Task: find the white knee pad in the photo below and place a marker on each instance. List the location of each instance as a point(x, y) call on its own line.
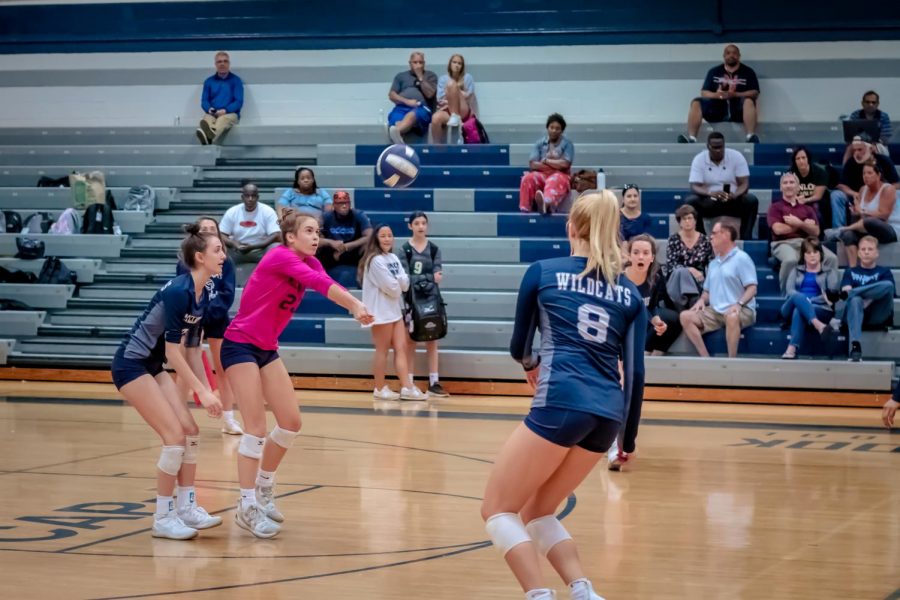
point(506, 531)
point(191, 449)
point(547, 532)
point(170, 459)
point(251, 446)
point(283, 437)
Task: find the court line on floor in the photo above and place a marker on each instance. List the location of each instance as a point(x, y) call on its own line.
point(486, 416)
point(218, 588)
point(80, 460)
point(571, 502)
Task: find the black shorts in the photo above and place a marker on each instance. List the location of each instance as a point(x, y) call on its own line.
point(125, 370)
point(567, 427)
point(235, 353)
point(716, 111)
point(215, 328)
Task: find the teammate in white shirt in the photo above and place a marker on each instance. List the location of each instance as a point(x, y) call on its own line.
point(383, 283)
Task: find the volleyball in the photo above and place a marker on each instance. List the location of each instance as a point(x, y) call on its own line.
point(398, 166)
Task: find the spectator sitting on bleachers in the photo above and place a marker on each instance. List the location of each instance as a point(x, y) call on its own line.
point(791, 223)
point(720, 180)
point(729, 93)
point(250, 228)
point(729, 291)
point(547, 184)
point(869, 292)
point(222, 99)
point(643, 271)
point(305, 196)
point(633, 221)
point(870, 112)
point(413, 94)
point(851, 182)
point(876, 212)
point(688, 253)
point(455, 98)
point(807, 291)
point(813, 180)
point(345, 232)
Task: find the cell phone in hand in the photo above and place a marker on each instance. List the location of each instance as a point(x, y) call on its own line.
point(726, 188)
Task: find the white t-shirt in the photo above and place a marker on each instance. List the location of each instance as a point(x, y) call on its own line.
point(706, 172)
point(249, 227)
point(382, 290)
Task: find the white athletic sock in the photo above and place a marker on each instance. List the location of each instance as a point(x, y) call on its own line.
point(164, 505)
point(539, 594)
point(265, 478)
point(248, 498)
point(433, 378)
point(411, 380)
point(228, 415)
point(185, 497)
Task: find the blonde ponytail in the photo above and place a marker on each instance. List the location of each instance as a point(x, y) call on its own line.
point(594, 218)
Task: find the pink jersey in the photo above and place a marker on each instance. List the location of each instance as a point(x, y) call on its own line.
point(272, 294)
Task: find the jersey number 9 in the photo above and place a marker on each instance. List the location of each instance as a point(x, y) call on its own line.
point(593, 323)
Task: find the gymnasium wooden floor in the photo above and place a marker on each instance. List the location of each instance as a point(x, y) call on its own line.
point(725, 501)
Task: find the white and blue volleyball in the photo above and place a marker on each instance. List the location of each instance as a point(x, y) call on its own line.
point(398, 166)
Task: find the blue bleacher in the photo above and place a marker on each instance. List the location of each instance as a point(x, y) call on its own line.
point(444, 155)
point(407, 200)
point(465, 177)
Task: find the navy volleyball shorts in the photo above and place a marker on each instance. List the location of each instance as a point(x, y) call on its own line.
point(215, 328)
point(567, 427)
point(234, 353)
point(125, 370)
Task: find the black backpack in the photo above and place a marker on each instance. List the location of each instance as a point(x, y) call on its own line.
point(45, 181)
point(426, 311)
point(55, 271)
point(482, 132)
point(98, 218)
point(12, 222)
point(16, 276)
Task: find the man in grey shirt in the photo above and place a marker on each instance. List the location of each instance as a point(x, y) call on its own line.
point(413, 94)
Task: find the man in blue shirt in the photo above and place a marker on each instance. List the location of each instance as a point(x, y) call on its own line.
point(869, 292)
point(728, 294)
point(222, 100)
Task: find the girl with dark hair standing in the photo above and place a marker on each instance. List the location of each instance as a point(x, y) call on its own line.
point(176, 311)
point(421, 259)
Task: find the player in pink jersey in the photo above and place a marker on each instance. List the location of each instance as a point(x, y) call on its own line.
point(256, 373)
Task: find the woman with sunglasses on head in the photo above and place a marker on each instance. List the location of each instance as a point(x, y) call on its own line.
point(634, 221)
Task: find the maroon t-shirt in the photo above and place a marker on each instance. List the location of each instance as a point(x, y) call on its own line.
point(779, 209)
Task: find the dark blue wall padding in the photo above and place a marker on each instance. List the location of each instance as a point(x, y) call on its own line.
point(318, 24)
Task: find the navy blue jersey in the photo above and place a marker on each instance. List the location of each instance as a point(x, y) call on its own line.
point(220, 288)
point(586, 325)
point(173, 313)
